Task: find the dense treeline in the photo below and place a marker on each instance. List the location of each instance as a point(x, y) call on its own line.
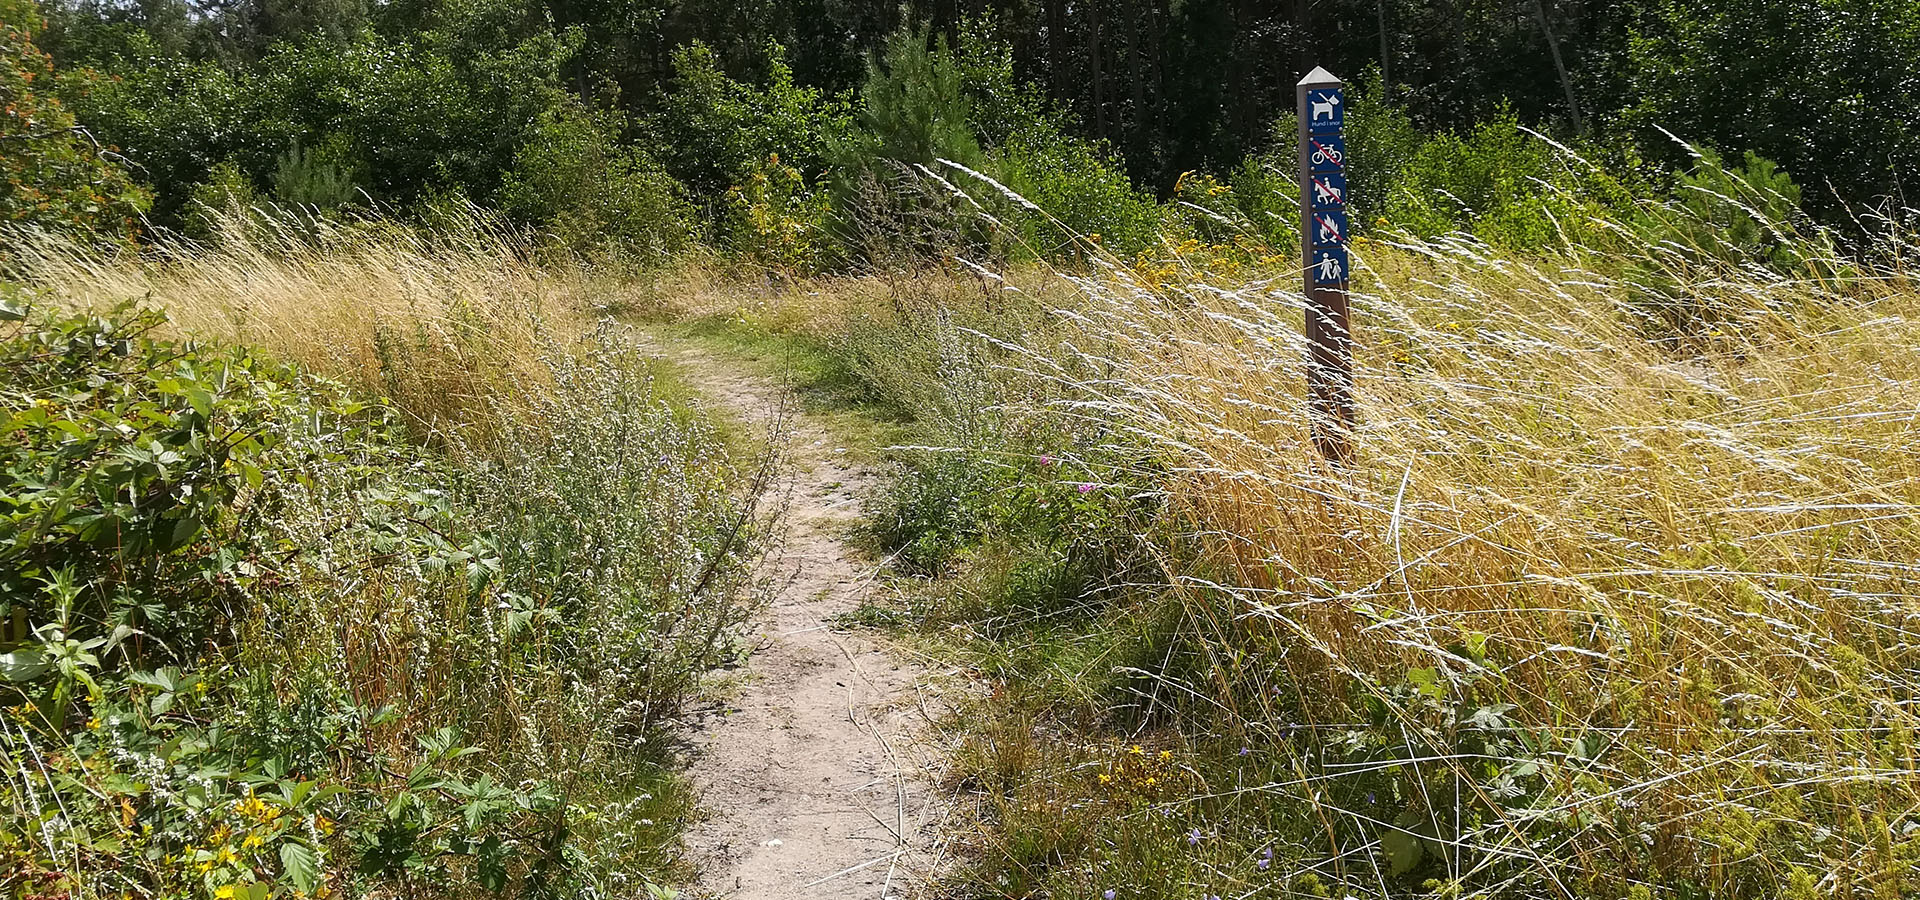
point(615, 122)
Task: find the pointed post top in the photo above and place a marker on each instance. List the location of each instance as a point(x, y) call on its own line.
point(1319, 76)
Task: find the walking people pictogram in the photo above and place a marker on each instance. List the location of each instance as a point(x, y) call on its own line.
point(1330, 265)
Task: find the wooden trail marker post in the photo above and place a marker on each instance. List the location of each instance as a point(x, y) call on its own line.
point(1321, 109)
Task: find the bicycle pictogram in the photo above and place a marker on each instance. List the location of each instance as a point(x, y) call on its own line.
point(1328, 153)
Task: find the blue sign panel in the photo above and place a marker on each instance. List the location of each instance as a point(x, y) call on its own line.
point(1329, 227)
point(1326, 110)
point(1326, 153)
point(1329, 265)
point(1328, 191)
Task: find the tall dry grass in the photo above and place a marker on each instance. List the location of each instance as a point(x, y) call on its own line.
point(442, 320)
point(1631, 612)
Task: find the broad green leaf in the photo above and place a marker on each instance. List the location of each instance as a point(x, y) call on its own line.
point(1402, 849)
point(302, 866)
point(492, 864)
point(1427, 681)
point(23, 665)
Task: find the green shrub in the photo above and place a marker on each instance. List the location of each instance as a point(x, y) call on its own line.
point(778, 217)
point(1080, 189)
point(447, 108)
point(1744, 218)
point(1496, 181)
point(1732, 214)
point(716, 133)
point(1266, 192)
point(226, 197)
point(591, 193)
point(1505, 186)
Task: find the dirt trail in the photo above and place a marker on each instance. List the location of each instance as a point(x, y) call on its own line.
point(812, 777)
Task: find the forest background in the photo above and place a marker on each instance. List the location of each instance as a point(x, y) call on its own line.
point(651, 126)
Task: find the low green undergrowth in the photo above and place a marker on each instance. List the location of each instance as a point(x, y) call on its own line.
point(261, 642)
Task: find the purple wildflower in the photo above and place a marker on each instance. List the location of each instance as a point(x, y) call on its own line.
point(1046, 459)
point(1085, 487)
point(1109, 895)
point(1193, 837)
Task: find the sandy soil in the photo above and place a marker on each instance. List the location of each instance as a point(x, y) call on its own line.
point(813, 776)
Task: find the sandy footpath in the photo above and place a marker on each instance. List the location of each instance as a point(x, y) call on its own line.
point(813, 777)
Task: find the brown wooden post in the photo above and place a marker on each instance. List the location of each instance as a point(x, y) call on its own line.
point(1321, 107)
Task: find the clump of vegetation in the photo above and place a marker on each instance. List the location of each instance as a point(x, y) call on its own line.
point(271, 635)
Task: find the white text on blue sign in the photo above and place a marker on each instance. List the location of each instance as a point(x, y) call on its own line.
point(1325, 110)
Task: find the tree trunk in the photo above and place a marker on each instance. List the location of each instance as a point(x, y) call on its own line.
point(1386, 55)
point(1158, 13)
point(1093, 64)
point(1566, 83)
point(1130, 125)
point(1058, 51)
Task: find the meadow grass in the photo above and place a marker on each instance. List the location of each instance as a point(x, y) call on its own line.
point(1615, 616)
point(1618, 599)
